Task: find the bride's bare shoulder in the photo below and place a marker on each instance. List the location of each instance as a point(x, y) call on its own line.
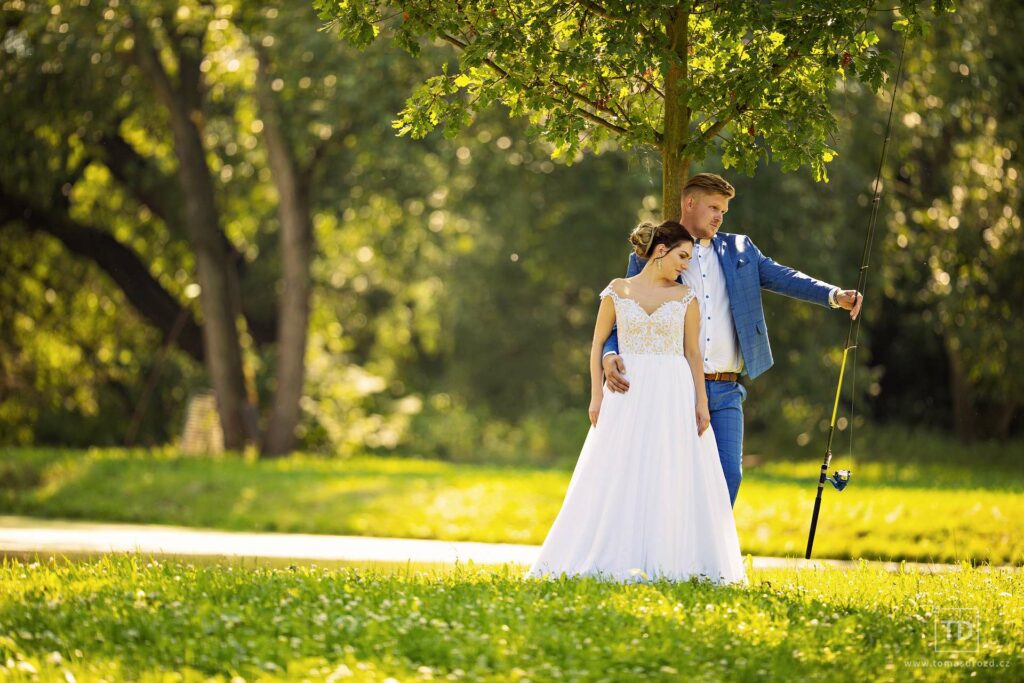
point(680, 291)
point(619, 285)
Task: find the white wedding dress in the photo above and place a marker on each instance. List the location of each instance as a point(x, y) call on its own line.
point(648, 498)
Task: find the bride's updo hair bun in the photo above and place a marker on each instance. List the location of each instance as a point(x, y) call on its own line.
point(641, 238)
point(646, 236)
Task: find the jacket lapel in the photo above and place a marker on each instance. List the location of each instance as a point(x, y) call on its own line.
point(728, 269)
point(724, 258)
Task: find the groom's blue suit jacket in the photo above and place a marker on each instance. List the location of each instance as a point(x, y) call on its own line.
point(748, 271)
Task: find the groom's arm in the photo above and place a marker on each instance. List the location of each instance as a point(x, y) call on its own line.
point(787, 281)
point(611, 345)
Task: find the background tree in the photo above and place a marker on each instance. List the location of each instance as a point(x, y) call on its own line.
point(167, 154)
point(955, 238)
point(180, 90)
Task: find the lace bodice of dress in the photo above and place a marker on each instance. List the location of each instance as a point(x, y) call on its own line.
point(660, 332)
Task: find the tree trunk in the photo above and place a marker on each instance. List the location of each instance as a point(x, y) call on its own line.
point(674, 164)
point(162, 193)
point(964, 415)
point(674, 174)
point(220, 331)
point(1004, 420)
point(296, 246)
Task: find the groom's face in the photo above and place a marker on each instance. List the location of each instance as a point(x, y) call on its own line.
point(704, 213)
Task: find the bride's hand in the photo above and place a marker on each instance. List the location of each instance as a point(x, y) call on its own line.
point(703, 417)
point(595, 408)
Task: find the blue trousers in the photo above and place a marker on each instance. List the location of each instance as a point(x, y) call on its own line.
point(725, 402)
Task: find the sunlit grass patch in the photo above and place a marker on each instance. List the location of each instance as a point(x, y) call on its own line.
point(932, 510)
point(130, 617)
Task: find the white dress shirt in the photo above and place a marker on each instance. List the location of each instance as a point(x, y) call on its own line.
point(718, 341)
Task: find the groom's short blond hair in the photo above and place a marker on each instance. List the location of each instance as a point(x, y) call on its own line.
point(708, 183)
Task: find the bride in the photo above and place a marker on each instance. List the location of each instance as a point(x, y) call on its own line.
point(648, 498)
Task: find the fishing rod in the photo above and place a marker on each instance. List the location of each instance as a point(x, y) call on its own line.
point(841, 478)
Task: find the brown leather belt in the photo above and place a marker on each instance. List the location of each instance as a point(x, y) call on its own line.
point(722, 376)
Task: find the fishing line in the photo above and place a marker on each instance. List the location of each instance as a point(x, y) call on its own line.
point(841, 478)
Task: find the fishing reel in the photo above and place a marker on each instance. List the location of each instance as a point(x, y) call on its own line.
point(839, 479)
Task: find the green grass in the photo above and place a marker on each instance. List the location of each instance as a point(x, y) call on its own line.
point(902, 505)
point(132, 618)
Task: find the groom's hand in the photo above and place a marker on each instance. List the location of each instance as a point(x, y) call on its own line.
point(850, 300)
point(615, 373)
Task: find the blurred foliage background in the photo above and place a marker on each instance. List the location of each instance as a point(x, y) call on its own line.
point(454, 279)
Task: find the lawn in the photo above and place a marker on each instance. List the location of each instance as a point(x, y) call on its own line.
point(906, 509)
point(133, 618)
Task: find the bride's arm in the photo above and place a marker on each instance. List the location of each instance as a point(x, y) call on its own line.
point(603, 328)
point(691, 347)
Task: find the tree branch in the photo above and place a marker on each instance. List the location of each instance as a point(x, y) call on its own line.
point(159, 192)
point(603, 12)
point(119, 262)
point(149, 61)
point(162, 195)
point(590, 116)
point(730, 114)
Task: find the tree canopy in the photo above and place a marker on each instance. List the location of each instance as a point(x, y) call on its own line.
point(745, 79)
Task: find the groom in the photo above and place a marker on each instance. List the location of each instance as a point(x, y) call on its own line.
point(727, 275)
